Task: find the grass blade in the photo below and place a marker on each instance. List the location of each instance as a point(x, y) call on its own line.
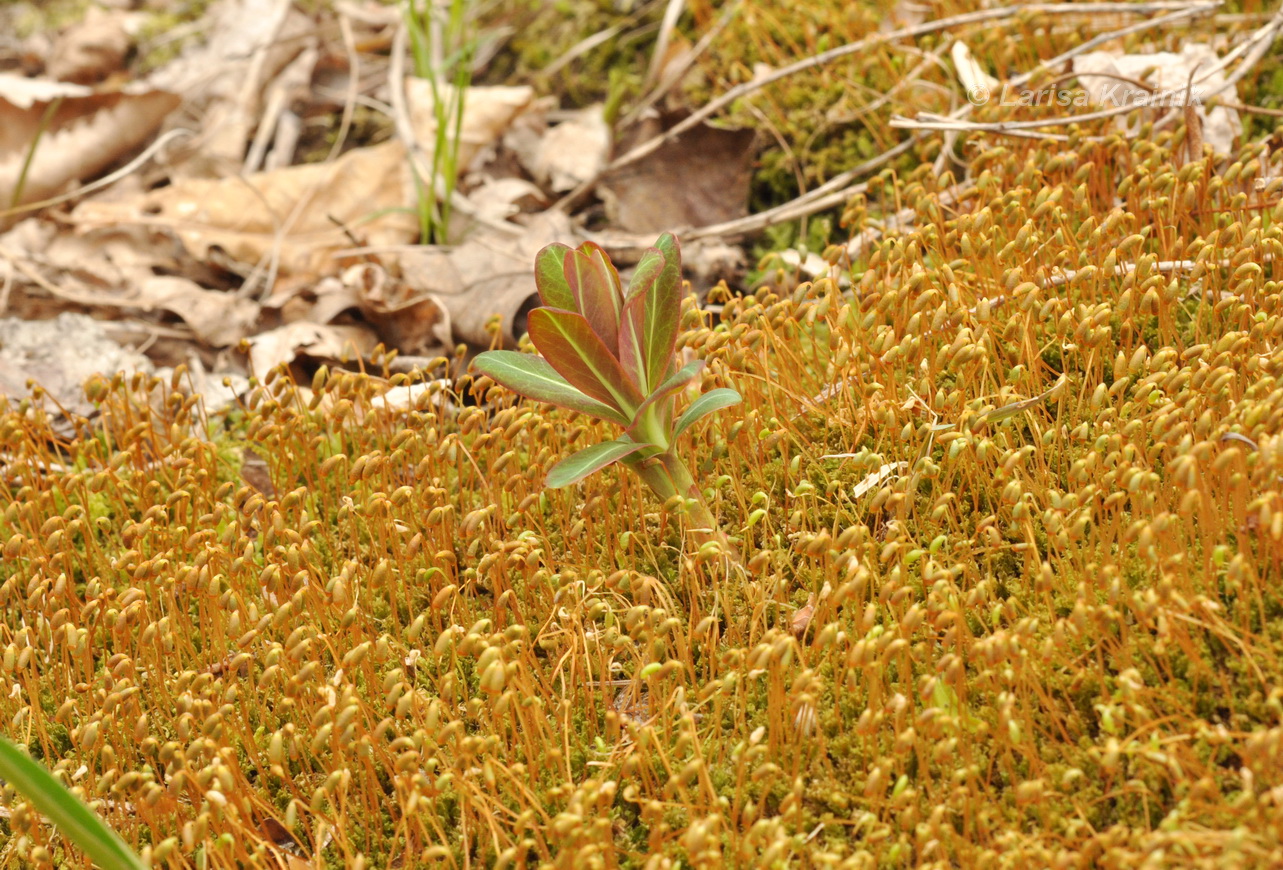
point(67, 813)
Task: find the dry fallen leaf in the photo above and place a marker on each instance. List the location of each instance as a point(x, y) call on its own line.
point(294, 219)
point(223, 80)
point(574, 151)
point(413, 322)
point(91, 49)
point(485, 276)
point(802, 617)
point(217, 318)
point(700, 178)
point(82, 134)
point(1170, 75)
point(284, 344)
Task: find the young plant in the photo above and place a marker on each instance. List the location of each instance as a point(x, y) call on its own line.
point(612, 355)
point(442, 50)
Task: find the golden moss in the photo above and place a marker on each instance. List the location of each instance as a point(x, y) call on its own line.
point(1052, 636)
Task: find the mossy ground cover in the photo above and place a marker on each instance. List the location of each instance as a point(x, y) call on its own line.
point(1033, 617)
point(1051, 636)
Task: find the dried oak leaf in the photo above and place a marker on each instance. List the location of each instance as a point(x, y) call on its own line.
point(82, 134)
point(700, 178)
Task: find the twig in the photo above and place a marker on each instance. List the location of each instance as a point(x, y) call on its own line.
point(674, 75)
point(106, 180)
point(354, 77)
point(651, 145)
point(672, 12)
point(1191, 12)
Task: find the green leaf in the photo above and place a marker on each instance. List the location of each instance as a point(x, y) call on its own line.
point(649, 268)
point(663, 312)
point(533, 378)
point(713, 400)
point(69, 815)
point(571, 347)
point(666, 390)
point(550, 277)
point(577, 466)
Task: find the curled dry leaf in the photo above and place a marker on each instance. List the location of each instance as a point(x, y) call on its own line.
point(299, 216)
point(79, 137)
point(572, 152)
point(413, 322)
point(286, 343)
point(92, 48)
point(802, 617)
point(486, 276)
point(223, 80)
point(217, 318)
point(1170, 75)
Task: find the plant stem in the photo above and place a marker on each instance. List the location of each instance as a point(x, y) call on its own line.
point(706, 528)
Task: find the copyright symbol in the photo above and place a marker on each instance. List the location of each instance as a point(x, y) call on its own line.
point(978, 95)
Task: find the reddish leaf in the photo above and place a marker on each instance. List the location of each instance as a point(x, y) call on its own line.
point(595, 285)
point(663, 311)
point(571, 347)
point(632, 347)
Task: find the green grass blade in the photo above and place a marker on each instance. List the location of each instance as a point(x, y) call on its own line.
point(67, 813)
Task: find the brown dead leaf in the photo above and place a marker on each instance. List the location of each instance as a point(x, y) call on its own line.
point(1170, 76)
point(217, 318)
point(287, 214)
point(287, 343)
point(485, 276)
point(802, 617)
point(299, 216)
point(91, 49)
point(81, 133)
point(700, 178)
point(410, 321)
point(224, 79)
point(573, 152)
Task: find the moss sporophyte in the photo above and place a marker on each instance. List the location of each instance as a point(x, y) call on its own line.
point(612, 354)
